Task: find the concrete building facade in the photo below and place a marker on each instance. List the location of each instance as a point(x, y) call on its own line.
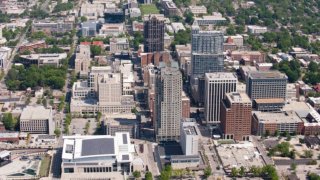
point(266, 85)
point(97, 157)
point(168, 107)
point(37, 120)
point(216, 85)
point(189, 137)
point(82, 60)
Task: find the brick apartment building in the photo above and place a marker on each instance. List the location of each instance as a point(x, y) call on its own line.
point(154, 58)
point(248, 57)
point(236, 116)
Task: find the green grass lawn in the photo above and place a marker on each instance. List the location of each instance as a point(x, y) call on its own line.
point(149, 9)
point(45, 166)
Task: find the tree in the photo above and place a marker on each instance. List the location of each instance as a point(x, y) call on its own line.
point(234, 172)
point(207, 172)
point(9, 121)
point(288, 137)
point(138, 39)
point(51, 102)
point(148, 176)
point(166, 173)
point(20, 77)
point(99, 114)
point(292, 154)
point(231, 30)
point(57, 132)
point(44, 102)
point(256, 171)
point(308, 153)
point(182, 37)
point(270, 172)
point(95, 50)
point(87, 126)
point(38, 13)
point(136, 174)
point(189, 17)
point(313, 67)
point(313, 176)
point(83, 19)
point(242, 171)
point(63, 7)
point(293, 166)
point(38, 101)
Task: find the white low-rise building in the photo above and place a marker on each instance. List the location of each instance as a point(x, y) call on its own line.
point(119, 45)
point(92, 11)
point(196, 10)
point(134, 12)
point(211, 20)
point(257, 29)
point(97, 157)
point(177, 26)
point(189, 137)
point(44, 59)
point(111, 30)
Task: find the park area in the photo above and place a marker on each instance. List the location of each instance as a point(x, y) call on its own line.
point(149, 9)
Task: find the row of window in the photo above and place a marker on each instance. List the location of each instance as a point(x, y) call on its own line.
point(97, 169)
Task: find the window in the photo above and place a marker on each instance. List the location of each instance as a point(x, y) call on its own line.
point(68, 170)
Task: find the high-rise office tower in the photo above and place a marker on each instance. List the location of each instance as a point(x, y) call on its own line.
point(236, 116)
point(153, 32)
point(206, 57)
point(267, 90)
point(216, 85)
point(266, 85)
point(110, 89)
point(168, 103)
point(82, 60)
point(206, 52)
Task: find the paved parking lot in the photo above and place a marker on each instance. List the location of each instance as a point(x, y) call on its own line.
point(78, 125)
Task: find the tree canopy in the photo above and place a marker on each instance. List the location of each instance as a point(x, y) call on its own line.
point(290, 68)
point(20, 78)
point(63, 7)
point(9, 122)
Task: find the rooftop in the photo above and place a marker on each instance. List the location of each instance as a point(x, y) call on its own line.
point(267, 75)
point(101, 146)
point(277, 117)
point(9, 135)
point(148, 17)
point(98, 148)
point(190, 130)
point(235, 97)
point(35, 113)
point(237, 155)
point(221, 76)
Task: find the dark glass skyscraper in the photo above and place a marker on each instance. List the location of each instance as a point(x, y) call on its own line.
point(153, 32)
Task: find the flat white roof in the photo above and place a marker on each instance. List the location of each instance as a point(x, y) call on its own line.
point(35, 113)
point(78, 147)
